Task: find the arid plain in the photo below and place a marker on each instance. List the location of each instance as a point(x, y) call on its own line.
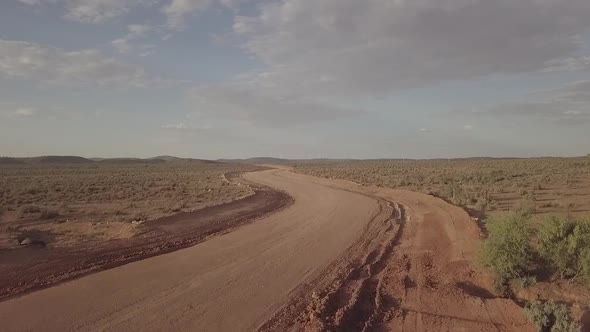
point(385, 245)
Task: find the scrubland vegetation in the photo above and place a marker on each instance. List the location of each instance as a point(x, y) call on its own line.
point(60, 198)
point(535, 212)
point(546, 185)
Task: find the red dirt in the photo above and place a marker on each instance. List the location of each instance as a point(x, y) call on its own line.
point(28, 269)
point(409, 266)
point(412, 269)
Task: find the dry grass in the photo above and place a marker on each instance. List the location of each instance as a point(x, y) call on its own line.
point(101, 201)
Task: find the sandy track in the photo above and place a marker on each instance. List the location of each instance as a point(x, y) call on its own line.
point(228, 283)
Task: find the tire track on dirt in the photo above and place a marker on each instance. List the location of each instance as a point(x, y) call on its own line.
point(414, 273)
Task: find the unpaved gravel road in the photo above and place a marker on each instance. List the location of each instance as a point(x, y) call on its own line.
point(342, 258)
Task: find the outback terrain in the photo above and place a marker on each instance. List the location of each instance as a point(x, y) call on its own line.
point(66, 218)
point(321, 246)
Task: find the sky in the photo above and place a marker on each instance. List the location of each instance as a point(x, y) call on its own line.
point(295, 78)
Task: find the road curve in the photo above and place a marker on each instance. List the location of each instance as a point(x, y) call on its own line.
point(229, 283)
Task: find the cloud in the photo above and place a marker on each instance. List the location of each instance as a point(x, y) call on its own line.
point(178, 10)
point(246, 101)
point(190, 129)
point(31, 61)
point(376, 47)
point(468, 127)
point(25, 112)
point(138, 30)
point(317, 55)
point(425, 130)
point(176, 126)
point(121, 45)
point(16, 112)
point(94, 11)
point(565, 105)
point(131, 41)
point(569, 64)
point(31, 2)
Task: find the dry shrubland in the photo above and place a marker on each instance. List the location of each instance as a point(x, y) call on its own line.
point(544, 185)
point(69, 199)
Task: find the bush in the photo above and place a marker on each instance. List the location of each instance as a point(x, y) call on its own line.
point(565, 246)
point(524, 282)
point(507, 252)
point(550, 316)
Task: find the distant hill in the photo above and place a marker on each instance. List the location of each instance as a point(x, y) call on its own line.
point(59, 160)
point(11, 161)
point(257, 160)
point(130, 161)
point(183, 160)
point(166, 158)
point(172, 159)
point(70, 160)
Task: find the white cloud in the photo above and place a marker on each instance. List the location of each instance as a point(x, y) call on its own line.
point(575, 63)
point(232, 4)
point(138, 30)
point(16, 112)
point(374, 47)
point(245, 100)
point(178, 11)
point(176, 126)
point(565, 105)
point(24, 60)
point(190, 129)
point(319, 54)
point(131, 41)
point(25, 112)
point(121, 45)
point(30, 2)
point(571, 112)
point(94, 11)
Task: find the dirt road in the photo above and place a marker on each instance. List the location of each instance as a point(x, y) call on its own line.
point(228, 283)
point(29, 269)
point(413, 269)
point(341, 257)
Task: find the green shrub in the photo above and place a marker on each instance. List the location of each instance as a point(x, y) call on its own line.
point(565, 246)
point(522, 283)
point(507, 252)
point(554, 247)
point(550, 316)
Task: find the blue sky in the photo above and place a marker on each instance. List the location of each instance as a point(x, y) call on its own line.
point(295, 78)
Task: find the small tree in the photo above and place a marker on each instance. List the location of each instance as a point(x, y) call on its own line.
point(507, 252)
